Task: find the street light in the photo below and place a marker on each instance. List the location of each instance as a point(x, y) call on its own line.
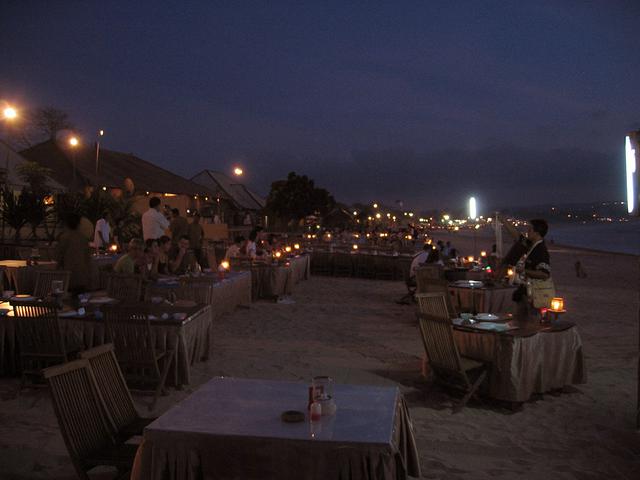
point(473, 208)
point(10, 113)
point(100, 135)
point(73, 143)
point(238, 171)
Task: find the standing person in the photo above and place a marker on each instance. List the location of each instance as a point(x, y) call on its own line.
point(102, 234)
point(154, 223)
point(250, 248)
point(72, 253)
point(537, 263)
point(195, 232)
point(179, 226)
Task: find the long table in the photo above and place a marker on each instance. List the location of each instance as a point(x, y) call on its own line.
point(363, 265)
point(495, 299)
point(190, 339)
point(272, 280)
point(231, 428)
point(535, 358)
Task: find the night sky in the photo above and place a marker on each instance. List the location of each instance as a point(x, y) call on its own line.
point(518, 103)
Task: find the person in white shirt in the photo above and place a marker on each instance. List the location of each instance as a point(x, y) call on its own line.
point(419, 259)
point(235, 249)
point(154, 223)
point(102, 232)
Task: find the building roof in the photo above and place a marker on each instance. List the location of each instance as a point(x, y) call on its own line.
point(10, 159)
point(114, 168)
point(220, 183)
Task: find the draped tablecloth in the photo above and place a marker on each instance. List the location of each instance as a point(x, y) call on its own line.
point(535, 359)
point(487, 299)
point(301, 266)
point(231, 428)
point(21, 277)
point(271, 281)
point(190, 338)
point(227, 294)
point(360, 264)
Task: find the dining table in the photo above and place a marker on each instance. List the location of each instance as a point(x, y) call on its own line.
point(183, 329)
point(20, 275)
point(476, 296)
point(233, 428)
point(229, 291)
point(524, 357)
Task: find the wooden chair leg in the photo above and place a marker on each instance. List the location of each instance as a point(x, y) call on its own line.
point(163, 379)
point(470, 392)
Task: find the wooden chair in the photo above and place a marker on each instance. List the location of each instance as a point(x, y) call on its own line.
point(428, 273)
point(44, 279)
point(437, 286)
point(121, 412)
point(129, 329)
point(79, 408)
point(449, 366)
point(197, 290)
point(40, 337)
point(124, 287)
point(434, 304)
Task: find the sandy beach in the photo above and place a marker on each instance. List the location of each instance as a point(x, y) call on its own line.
point(353, 330)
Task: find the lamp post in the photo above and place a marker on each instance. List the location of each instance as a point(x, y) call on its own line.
point(100, 135)
point(73, 143)
point(9, 114)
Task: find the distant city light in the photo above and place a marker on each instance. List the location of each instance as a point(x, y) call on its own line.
point(630, 154)
point(473, 211)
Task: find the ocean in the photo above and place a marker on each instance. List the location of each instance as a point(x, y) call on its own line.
point(619, 237)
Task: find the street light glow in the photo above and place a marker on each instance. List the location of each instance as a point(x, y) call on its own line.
point(473, 210)
point(73, 141)
point(101, 133)
point(10, 113)
point(238, 171)
point(630, 155)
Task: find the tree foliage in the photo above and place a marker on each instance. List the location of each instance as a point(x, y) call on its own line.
point(296, 197)
point(48, 121)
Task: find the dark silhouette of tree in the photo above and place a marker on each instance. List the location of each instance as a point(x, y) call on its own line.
point(296, 197)
point(48, 121)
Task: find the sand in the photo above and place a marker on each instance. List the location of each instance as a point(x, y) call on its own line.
point(352, 330)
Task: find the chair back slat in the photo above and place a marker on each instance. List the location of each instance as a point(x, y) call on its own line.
point(38, 327)
point(441, 286)
point(129, 329)
point(434, 304)
point(45, 278)
point(124, 287)
point(111, 385)
point(439, 344)
point(79, 408)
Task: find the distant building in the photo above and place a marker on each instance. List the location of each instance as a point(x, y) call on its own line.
point(10, 160)
point(236, 205)
point(118, 173)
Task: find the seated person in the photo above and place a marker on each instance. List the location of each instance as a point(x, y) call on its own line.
point(418, 260)
point(434, 258)
point(164, 245)
point(128, 262)
point(181, 257)
point(235, 250)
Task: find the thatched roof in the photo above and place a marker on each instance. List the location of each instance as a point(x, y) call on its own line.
point(221, 184)
point(114, 168)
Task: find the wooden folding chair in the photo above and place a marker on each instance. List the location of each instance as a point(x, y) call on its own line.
point(129, 329)
point(440, 286)
point(434, 304)
point(429, 273)
point(40, 337)
point(45, 278)
point(121, 412)
point(448, 365)
point(80, 412)
point(124, 287)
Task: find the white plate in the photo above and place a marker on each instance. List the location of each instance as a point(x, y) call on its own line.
point(486, 317)
point(24, 298)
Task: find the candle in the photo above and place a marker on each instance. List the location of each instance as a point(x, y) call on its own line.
point(355, 247)
point(483, 253)
point(278, 254)
point(296, 246)
point(287, 249)
point(557, 304)
point(470, 259)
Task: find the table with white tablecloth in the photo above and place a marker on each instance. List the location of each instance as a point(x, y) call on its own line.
point(496, 299)
point(534, 358)
point(190, 338)
point(231, 428)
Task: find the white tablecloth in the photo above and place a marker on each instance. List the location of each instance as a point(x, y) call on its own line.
point(231, 429)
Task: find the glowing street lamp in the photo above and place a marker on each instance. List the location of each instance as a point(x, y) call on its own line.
point(10, 113)
point(74, 142)
point(631, 164)
point(237, 171)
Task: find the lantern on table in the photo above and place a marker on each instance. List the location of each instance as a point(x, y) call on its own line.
point(222, 269)
point(557, 307)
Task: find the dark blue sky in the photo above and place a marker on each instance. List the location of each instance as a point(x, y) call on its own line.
point(425, 102)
